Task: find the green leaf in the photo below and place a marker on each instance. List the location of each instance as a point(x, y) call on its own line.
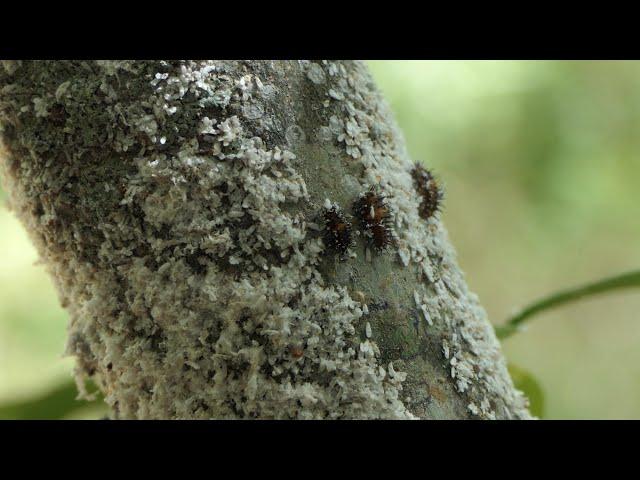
point(55, 404)
point(526, 382)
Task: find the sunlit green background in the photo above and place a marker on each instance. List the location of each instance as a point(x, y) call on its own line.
point(541, 166)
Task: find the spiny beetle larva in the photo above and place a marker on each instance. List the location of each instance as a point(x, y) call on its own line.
point(337, 229)
point(374, 215)
point(429, 190)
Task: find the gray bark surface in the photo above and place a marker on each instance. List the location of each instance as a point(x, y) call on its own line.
point(178, 207)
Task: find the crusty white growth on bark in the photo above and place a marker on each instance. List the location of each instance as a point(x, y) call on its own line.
point(178, 207)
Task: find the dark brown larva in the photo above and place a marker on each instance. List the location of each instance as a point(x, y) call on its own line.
point(431, 194)
point(372, 211)
point(371, 208)
point(382, 236)
point(337, 233)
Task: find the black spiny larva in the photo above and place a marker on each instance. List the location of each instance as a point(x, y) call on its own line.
point(337, 233)
point(382, 236)
point(373, 213)
point(431, 194)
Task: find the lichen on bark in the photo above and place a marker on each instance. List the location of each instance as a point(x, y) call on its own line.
point(178, 206)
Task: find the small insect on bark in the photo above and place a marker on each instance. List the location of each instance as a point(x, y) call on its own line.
point(374, 215)
point(429, 190)
point(337, 233)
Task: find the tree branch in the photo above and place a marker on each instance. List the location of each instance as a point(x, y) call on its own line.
point(179, 208)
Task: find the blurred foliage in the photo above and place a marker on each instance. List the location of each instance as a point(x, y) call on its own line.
point(526, 383)
point(541, 162)
point(59, 403)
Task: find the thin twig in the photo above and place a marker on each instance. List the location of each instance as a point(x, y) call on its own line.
point(630, 279)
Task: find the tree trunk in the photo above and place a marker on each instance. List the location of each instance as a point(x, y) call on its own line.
point(180, 209)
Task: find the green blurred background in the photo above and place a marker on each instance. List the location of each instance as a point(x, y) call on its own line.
point(541, 166)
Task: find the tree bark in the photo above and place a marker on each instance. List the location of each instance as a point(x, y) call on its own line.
point(179, 209)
